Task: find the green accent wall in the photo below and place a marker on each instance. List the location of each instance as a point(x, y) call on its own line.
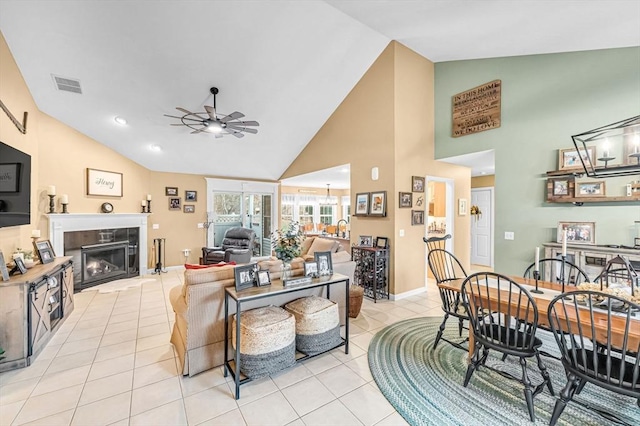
point(545, 100)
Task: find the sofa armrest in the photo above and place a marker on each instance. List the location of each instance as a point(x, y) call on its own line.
point(205, 312)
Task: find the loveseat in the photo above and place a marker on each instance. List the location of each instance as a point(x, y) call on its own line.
point(198, 332)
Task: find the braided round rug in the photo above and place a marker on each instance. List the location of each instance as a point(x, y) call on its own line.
point(425, 385)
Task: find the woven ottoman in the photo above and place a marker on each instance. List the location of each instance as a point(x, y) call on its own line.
point(317, 324)
point(267, 341)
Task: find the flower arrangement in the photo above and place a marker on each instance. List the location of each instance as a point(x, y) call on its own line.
point(287, 242)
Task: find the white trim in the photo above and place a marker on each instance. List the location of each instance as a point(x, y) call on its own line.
point(407, 293)
point(60, 223)
point(451, 211)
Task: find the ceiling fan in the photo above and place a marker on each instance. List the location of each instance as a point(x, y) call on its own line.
point(213, 122)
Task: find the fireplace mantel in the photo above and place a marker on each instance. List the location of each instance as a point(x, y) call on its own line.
point(59, 223)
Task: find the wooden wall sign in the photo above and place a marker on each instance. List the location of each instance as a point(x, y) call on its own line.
point(477, 110)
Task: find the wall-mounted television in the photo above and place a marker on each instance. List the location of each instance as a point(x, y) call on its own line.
point(15, 187)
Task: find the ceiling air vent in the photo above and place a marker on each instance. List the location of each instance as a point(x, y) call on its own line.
point(67, 84)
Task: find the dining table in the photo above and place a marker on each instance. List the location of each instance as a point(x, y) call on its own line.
point(581, 316)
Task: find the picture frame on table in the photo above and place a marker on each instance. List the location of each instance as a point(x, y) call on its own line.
point(568, 159)
point(417, 217)
point(244, 276)
point(417, 184)
point(362, 204)
point(20, 266)
point(365, 241)
point(590, 189)
point(104, 183)
point(382, 242)
point(190, 195)
point(378, 204)
point(171, 191)
point(323, 258)
point(405, 200)
point(311, 269)
point(560, 187)
point(263, 279)
point(45, 251)
point(577, 232)
point(4, 271)
point(175, 203)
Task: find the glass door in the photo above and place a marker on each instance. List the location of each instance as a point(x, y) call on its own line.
point(247, 205)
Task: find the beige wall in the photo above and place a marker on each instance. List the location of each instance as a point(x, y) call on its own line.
point(483, 181)
point(387, 122)
point(14, 94)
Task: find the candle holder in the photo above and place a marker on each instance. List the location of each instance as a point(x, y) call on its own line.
point(64, 207)
point(148, 207)
point(536, 276)
point(606, 160)
point(52, 204)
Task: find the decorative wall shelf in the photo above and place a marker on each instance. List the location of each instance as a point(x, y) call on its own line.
point(569, 176)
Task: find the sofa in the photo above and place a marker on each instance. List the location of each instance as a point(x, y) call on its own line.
point(198, 331)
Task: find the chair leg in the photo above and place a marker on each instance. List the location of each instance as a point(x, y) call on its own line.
point(545, 374)
point(565, 396)
point(440, 330)
point(472, 365)
point(581, 386)
point(504, 356)
point(528, 391)
point(460, 324)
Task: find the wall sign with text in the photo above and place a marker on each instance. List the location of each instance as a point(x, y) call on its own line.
point(477, 109)
point(101, 182)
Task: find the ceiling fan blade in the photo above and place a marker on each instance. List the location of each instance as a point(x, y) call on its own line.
point(186, 111)
point(211, 111)
point(232, 116)
point(242, 129)
point(197, 131)
point(183, 118)
point(246, 123)
point(236, 134)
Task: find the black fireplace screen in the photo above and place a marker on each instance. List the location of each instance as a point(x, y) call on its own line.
point(104, 262)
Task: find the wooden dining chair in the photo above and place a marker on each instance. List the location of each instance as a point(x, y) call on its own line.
point(607, 356)
point(446, 267)
point(496, 305)
point(568, 274)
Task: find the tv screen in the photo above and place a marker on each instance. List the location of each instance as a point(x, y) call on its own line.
point(15, 187)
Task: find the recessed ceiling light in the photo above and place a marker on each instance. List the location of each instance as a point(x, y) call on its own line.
point(121, 120)
point(155, 148)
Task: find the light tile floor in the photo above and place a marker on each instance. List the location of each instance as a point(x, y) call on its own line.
point(111, 363)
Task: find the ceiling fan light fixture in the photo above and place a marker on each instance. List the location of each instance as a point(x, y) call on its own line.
point(120, 120)
point(214, 123)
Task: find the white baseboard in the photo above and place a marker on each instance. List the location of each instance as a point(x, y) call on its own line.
point(407, 293)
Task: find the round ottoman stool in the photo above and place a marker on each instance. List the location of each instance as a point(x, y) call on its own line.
point(267, 341)
point(317, 324)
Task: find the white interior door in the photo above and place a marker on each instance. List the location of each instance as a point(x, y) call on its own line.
point(482, 227)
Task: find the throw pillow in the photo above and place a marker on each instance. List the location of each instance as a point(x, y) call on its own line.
point(194, 266)
point(323, 244)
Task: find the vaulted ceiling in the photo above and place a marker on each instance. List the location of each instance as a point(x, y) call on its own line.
point(285, 64)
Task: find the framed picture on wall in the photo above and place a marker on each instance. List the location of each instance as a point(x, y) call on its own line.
point(175, 203)
point(102, 182)
point(417, 217)
point(378, 206)
point(417, 184)
point(362, 204)
point(577, 232)
point(569, 159)
point(405, 200)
